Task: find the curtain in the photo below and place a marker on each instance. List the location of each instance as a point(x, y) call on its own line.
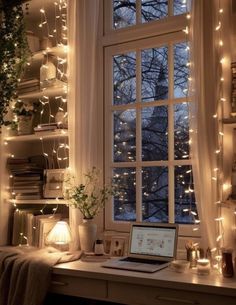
point(84, 124)
point(205, 89)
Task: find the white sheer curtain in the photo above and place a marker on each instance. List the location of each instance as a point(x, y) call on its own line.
point(84, 124)
point(205, 88)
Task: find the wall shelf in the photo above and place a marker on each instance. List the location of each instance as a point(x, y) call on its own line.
point(38, 201)
point(45, 135)
point(50, 92)
point(60, 51)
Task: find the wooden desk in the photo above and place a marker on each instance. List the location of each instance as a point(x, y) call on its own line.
point(165, 287)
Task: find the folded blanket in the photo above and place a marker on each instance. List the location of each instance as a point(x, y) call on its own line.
point(25, 273)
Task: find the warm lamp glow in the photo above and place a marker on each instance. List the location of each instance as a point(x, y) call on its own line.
point(60, 234)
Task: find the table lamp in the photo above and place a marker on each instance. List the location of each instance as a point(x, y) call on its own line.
point(60, 236)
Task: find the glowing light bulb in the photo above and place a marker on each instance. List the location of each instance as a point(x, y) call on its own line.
point(218, 26)
point(219, 218)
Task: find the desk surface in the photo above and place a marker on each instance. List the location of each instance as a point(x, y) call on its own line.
point(212, 284)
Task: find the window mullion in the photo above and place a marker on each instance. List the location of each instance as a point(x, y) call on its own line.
point(138, 139)
point(171, 136)
point(170, 8)
point(138, 12)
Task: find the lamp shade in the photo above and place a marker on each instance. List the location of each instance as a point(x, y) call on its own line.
point(60, 234)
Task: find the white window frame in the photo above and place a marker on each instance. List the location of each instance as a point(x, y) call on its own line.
point(135, 38)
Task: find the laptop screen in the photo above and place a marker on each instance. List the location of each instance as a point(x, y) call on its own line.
point(153, 240)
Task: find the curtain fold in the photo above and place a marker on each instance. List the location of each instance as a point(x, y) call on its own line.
point(204, 91)
point(83, 26)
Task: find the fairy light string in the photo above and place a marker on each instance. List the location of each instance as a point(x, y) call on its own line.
point(189, 190)
point(53, 33)
point(217, 174)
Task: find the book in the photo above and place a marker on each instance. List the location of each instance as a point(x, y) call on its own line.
point(17, 160)
point(28, 197)
point(39, 129)
point(28, 90)
point(27, 82)
point(27, 183)
point(32, 189)
point(31, 177)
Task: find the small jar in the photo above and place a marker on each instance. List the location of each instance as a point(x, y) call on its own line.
point(227, 263)
point(192, 257)
point(99, 247)
point(203, 266)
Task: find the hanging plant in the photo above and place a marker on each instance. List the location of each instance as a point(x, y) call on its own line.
point(14, 52)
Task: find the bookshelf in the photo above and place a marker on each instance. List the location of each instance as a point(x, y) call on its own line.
point(50, 94)
point(39, 201)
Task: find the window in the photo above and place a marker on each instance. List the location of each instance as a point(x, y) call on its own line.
point(147, 115)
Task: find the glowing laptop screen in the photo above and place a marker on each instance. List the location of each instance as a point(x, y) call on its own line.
point(153, 240)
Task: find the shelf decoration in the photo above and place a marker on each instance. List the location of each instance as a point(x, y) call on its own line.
point(14, 52)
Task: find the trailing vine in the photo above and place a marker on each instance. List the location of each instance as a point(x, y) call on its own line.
point(14, 52)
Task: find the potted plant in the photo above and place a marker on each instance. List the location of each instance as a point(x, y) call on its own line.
point(14, 52)
point(24, 112)
point(90, 198)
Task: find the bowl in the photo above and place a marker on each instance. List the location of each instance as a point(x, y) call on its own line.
point(180, 265)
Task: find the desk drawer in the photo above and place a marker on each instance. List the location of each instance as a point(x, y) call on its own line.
point(79, 287)
point(144, 295)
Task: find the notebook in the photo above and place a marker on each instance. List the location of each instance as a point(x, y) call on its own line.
point(152, 246)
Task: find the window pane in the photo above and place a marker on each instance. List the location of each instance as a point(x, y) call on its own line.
point(154, 10)
point(124, 136)
point(154, 74)
point(155, 194)
point(124, 78)
point(124, 202)
point(181, 6)
point(181, 69)
point(124, 13)
point(155, 133)
point(185, 206)
point(181, 131)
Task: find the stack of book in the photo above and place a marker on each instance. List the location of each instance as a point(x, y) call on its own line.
point(233, 74)
point(48, 127)
point(27, 181)
point(31, 227)
point(30, 85)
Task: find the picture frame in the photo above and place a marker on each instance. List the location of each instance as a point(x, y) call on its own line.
point(54, 179)
point(118, 246)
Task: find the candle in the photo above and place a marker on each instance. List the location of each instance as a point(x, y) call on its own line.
point(203, 266)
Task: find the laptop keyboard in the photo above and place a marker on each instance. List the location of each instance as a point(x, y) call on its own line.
point(142, 261)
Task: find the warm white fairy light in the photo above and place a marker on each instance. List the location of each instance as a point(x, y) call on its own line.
point(61, 38)
point(221, 43)
point(218, 26)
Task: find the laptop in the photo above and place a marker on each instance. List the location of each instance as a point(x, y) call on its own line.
point(152, 246)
